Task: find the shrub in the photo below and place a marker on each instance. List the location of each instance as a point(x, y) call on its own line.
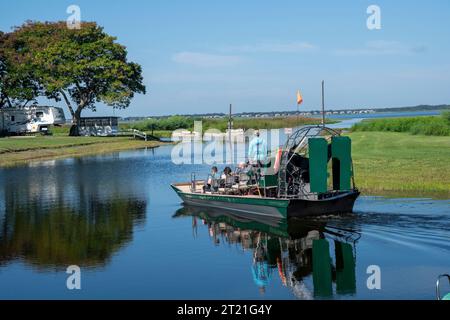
point(432, 126)
point(446, 116)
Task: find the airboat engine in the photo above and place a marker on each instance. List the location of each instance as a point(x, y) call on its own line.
point(304, 163)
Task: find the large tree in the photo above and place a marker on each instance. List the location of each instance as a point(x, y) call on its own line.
point(82, 66)
point(2, 74)
point(18, 87)
point(3, 97)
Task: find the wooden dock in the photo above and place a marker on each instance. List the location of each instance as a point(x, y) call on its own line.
point(138, 135)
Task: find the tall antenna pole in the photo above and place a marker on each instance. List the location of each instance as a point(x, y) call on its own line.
point(230, 126)
point(323, 103)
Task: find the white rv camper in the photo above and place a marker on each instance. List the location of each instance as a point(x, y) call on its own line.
point(31, 119)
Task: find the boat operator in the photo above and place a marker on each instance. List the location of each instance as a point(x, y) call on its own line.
point(257, 151)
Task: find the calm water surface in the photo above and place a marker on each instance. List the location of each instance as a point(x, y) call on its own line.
point(117, 218)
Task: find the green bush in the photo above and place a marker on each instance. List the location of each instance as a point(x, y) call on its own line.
point(430, 126)
point(446, 116)
point(170, 123)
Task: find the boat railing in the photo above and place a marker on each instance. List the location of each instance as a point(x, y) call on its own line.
point(193, 183)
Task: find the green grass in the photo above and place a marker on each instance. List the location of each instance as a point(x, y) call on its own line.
point(60, 130)
point(17, 144)
point(430, 126)
point(400, 162)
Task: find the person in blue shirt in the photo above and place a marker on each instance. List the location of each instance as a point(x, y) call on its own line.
point(261, 275)
point(260, 269)
point(257, 151)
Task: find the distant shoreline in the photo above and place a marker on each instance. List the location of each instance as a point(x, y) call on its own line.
point(285, 113)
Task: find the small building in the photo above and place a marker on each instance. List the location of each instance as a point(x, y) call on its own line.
point(98, 126)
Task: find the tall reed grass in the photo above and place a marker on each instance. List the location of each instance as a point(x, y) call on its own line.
point(429, 126)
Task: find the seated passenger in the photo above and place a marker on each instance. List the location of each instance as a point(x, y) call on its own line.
point(226, 173)
point(210, 182)
point(242, 174)
point(242, 168)
point(227, 177)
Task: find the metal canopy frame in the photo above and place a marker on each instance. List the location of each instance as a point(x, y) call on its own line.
point(289, 185)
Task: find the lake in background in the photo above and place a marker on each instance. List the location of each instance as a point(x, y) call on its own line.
point(116, 217)
point(348, 120)
point(384, 115)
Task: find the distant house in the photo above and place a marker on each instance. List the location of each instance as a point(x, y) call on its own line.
point(98, 126)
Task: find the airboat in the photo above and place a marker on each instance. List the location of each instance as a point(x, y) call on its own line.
point(312, 174)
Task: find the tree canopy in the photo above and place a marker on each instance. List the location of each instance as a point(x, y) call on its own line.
point(82, 67)
point(2, 74)
point(18, 86)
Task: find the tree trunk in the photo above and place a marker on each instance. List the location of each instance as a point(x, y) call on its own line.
point(76, 116)
point(74, 132)
point(69, 105)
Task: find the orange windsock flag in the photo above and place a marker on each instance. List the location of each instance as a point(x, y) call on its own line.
point(299, 98)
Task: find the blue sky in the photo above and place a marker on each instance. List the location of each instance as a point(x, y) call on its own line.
point(199, 56)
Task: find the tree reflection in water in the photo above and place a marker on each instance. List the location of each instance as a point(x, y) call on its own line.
point(77, 217)
point(61, 236)
point(291, 250)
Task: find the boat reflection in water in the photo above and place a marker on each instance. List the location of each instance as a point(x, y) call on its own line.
point(66, 217)
point(295, 249)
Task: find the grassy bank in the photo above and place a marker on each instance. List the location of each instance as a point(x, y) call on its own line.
point(20, 150)
point(387, 162)
point(430, 126)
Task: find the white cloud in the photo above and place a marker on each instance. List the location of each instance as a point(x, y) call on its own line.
point(221, 76)
point(381, 47)
point(226, 58)
point(290, 47)
point(199, 59)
